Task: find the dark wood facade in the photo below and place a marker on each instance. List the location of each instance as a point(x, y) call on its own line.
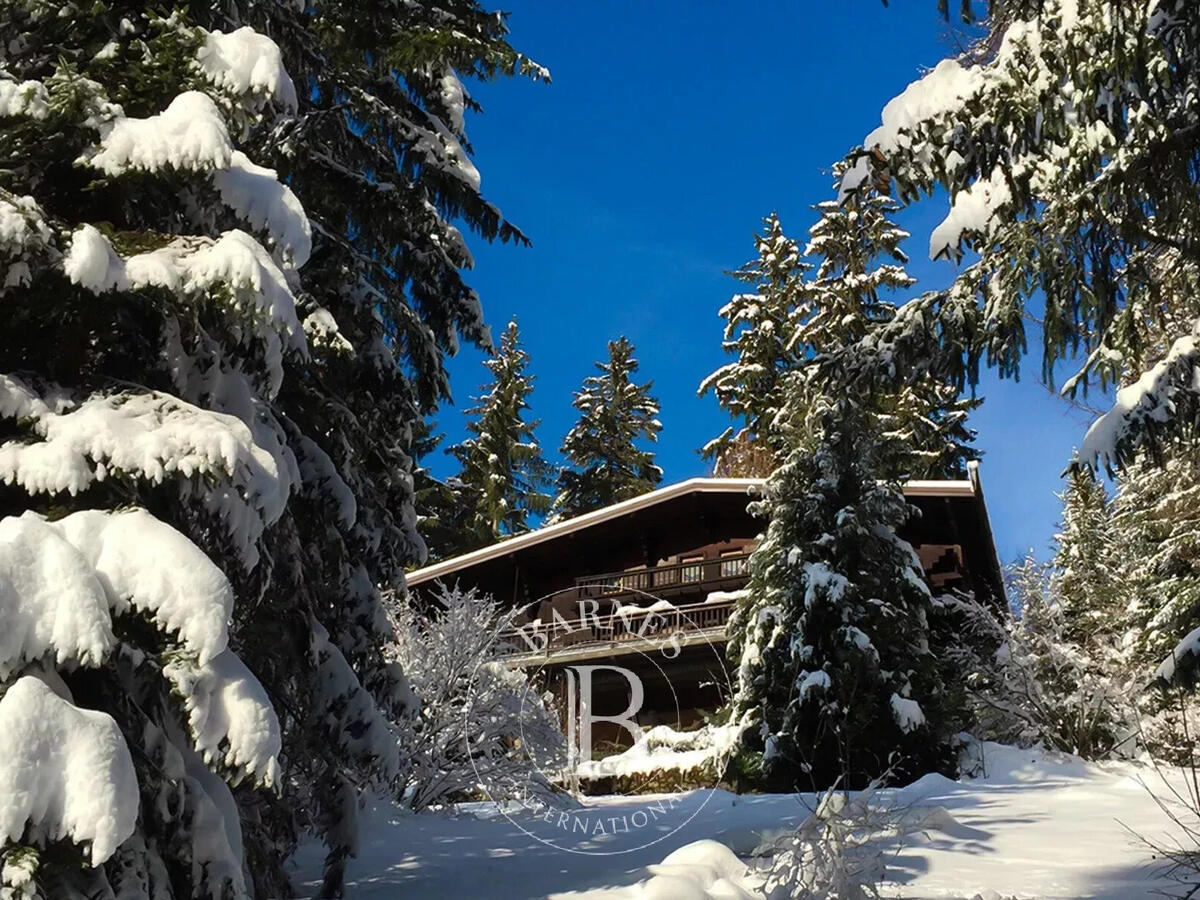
point(593, 589)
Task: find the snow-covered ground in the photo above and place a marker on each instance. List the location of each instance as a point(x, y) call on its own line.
point(1035, 826)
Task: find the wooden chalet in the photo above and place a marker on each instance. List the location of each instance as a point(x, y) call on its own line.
point(670, 562)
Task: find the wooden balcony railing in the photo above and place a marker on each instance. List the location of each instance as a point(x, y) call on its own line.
point(621, 630)
point(672, 579)
point(626, 607)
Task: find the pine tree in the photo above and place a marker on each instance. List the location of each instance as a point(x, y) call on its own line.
point(608, 466)
point(835, 675)
point(379, 154)
point(1156, 550)
point(750, 388)
point(1035, 195)
point(1086, 560)
point(443, 514)
point(210, 368)
point(833, 643)
point(502, 468)
point(861, 267)
point(1156, 556)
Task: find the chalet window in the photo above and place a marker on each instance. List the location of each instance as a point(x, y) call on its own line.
point(691, 569)
point(734, 563)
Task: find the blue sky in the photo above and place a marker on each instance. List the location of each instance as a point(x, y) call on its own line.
point(641, 174)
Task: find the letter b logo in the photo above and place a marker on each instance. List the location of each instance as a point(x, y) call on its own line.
point(580, 709)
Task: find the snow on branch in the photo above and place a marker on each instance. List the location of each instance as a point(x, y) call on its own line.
point(1145, 405)
point(256, 194)
point(151, 436)
point(1181, 666)
point(51, 602)
point(65, 772)
point(147, 565)
point(907, 713)
point(973, 210)
point(245, 62)
point(23, 98)
point(189, 134)
point(196, 265)
point(230, 716)
point(23, 233)
point(61, 581)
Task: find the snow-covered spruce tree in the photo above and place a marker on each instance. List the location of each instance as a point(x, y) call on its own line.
point(860, 269)
point(1156, 551)
point(502, 468)
point(151, 286)
point(483, 728)
point(169, 357)
point(832, 644)
point(1088, 569)
point(606, 463)
point(444, 517)
point(1066, 140)
point(835, 675)
point(379, 153)
point(757, 329)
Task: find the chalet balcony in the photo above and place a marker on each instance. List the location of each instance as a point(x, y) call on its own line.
point(616, 613)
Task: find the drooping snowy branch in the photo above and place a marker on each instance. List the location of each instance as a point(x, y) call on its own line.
point(23, 234)
point(190, 134)
point(258, 196)
point(51, 602)
point(247, 64)
point(61, 581)
point(147, 565)
point(230, 717)
point(153, 437)
point(1147, 403)
point(193, 266)
point(66, 772)
point(23, 98)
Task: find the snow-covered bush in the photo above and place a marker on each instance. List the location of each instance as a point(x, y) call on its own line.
point(702, 870)
point(835, 851)
point(1041, 686)
point(663, 760)
point(479, 727)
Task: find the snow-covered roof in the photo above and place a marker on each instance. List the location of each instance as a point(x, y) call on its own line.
point(595, 517)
